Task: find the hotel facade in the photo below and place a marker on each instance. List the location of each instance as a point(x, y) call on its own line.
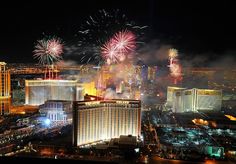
point(186, 100)
point(94, 121)
point(39, 91)
point(5, 89)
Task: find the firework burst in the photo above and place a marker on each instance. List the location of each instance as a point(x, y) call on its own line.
point(118, 47)
point(109, 52)
point(96, 32)
point(173, 53)
point(175, 66)
point(48, 51)
point(124, 41)
point(55, 47)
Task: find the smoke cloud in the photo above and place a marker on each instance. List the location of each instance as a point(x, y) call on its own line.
point(152, 53)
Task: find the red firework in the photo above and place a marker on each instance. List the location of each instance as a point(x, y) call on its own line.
point(109, 53)
point(55, 47)
point(118, 47)
point(124, 41)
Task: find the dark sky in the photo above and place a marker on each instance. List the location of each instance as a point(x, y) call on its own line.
point(194, 27)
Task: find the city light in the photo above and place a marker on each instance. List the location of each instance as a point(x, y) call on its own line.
point(232, 118)
point(47, 122)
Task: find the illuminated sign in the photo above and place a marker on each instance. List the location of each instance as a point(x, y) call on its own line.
point(122, 102)
point(209, 92)
point(172, 89)
point(92, 103)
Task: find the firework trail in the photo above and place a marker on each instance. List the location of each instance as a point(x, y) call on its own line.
point(48, 51)
point(95, 33)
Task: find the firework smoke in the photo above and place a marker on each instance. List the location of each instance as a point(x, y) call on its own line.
point(175, 70)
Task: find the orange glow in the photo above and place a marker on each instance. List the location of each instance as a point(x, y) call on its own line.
point(210, 161)
point(5, 104)
point(200, 122)
point(232, 118)
point(214, 124)
point(5, 81)
point(46, 151)
point(204, 122)
point(23, 109)
point(89, 88)
point(137, 95)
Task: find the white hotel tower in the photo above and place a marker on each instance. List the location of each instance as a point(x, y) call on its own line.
point(94, 121)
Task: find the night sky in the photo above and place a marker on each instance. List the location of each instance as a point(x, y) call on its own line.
point(195, 27)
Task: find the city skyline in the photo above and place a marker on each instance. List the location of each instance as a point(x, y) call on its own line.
point(118, 81)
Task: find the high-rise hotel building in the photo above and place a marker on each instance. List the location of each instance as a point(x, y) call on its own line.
point(94, 121)
point(5, 81)
point(5, 89)
point(39, 91)
point(185, 100)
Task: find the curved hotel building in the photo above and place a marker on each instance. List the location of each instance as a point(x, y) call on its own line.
point(94, 121)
